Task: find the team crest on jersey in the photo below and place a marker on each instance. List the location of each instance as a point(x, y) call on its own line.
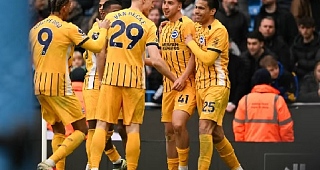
point(174, 34)
point(95, 35)
point(202, 40)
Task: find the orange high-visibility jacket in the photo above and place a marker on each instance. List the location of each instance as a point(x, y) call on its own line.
point(263, 116)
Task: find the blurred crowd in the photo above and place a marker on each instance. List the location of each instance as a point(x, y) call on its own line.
point(281, 36)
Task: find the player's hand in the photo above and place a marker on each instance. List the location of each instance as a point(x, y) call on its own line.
point(179, 84)
point(103, 23)
point(162, 24)
point(188, 38)
point(230, 107)
point(319, 92)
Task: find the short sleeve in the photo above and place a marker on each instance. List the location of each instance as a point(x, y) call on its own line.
point(152, 37)
point(189, 28)
point(77, 35)
point(218, 40)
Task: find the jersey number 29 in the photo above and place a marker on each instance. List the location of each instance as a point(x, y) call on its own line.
point(45, 42)
point(127, 29)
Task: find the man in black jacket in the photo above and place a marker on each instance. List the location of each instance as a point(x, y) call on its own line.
point(274, 42)
point(285, 21)
point(238, 85)
point(255, 52)
point(235, 22)
point(305, 51)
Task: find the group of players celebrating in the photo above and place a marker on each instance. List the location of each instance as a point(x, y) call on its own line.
point(193, 58)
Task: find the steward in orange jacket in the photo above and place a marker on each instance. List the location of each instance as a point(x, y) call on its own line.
point(263, 115)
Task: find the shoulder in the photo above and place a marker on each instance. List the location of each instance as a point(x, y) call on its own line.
point(149, 25)
point(217, 26)
point(70, 26)
point(112, 15)
point(186, 20)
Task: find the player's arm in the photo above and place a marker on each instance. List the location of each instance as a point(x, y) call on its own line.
point(155, 59)
point(148, 62)
point(189, 29)
point(158, 63)
point(190, 68)
point(82, 40)
point(101, 61)
point(215, 45)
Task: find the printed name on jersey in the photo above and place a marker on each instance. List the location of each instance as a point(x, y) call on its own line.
point(95, 35)
point(202, 40)
point(174, 34)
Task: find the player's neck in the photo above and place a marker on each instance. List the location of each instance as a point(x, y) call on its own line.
point(209, 22)
point(136, 7)
point(175, 17)
point(57, 14)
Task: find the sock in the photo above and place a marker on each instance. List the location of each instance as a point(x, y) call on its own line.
point(50, 162)
point(57, 140)
point(88, 143)
point(68, 146)
point(113, 155)
point(173, 163)
point(133, 151)
point(183, 155)
point(97, 146)
point(227, 154)
point(206, 151)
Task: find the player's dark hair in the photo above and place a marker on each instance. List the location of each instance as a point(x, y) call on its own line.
point(56, 5)
point(107, 4)
point(256, 35)
point(213, 4)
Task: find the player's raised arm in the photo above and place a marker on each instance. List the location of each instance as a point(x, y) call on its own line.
point(214, 48)
point(97, 45)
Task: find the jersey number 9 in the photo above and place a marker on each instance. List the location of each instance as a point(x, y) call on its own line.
point(127, 29)
point(45, 43)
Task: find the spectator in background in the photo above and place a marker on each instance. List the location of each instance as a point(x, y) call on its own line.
point(187, 8)
point(244, 8)
point(307, 8)
point(284, 20)
point(236, 75)
point(305, 50)
point(39, 9)
point(285, 4)
point(78, 60)
point(282, 80)
point(76, 16)
point(263, 115)
point(310, 87)
point(235, 22)
point(155, 16)
point(255, 52)
point(275, 42)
